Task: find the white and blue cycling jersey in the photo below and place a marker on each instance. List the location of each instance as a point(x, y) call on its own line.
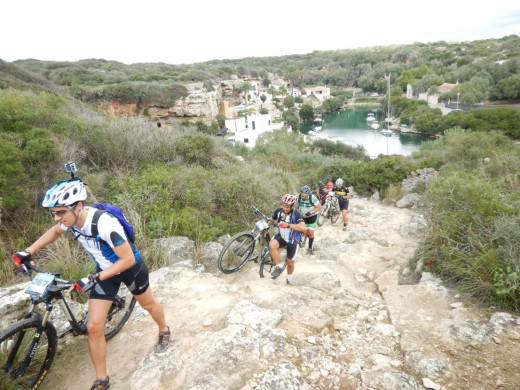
point(294, 217)
point(111, 233)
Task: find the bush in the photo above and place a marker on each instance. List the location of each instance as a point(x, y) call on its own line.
point(12, 174)
point(380, 173)
point(462, 210)
point(195, 149)
point(339, 149)
point(504, 119)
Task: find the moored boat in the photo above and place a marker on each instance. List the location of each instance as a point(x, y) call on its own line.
point(317, 123)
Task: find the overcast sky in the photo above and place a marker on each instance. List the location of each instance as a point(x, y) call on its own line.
point(188, 31)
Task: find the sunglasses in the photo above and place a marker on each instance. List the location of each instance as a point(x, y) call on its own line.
point(59, 213)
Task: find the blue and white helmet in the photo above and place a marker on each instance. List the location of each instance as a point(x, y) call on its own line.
point(339, 182)
point(65, 193)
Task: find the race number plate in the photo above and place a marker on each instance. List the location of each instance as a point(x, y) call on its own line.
point(39, 284)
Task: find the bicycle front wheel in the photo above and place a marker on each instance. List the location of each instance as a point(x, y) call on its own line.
point(18, 370)
point(236, 252)
point(334, 213)
point(119, 312)
point(323, 215)
point(267, 264)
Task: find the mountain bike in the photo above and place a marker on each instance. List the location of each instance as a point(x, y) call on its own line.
point(329, 210)
point(28, 347)
point(239, 249)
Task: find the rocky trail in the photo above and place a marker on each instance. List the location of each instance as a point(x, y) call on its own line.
point(350, 320)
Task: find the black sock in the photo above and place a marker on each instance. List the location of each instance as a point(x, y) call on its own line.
point(311, 240)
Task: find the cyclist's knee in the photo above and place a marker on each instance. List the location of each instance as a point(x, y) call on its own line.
point(95, 329)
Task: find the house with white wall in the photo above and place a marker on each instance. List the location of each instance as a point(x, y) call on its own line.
point(295, 92)
point(257, 125)
point(321, 93)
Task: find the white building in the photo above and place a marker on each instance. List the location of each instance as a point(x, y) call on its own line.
point(295, 92)
point(321, 93)
point(256, 126)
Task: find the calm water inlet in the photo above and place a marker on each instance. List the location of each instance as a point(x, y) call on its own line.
point(351, 127)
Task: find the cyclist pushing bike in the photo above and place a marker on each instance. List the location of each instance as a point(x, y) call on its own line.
point(117, 260)
point(343, 195)
point(309, 205)
point(291, 225)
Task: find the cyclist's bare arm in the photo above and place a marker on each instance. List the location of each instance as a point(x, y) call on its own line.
point(46, 238)
point(300, 227)
point(126, 260)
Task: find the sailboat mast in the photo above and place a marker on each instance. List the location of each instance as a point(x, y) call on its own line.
point(388, 112)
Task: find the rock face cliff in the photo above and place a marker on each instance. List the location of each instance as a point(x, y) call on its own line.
point(201, 104)
point(355, 317)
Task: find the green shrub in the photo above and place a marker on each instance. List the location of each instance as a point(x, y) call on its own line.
point(504, 119)
point(339, 149)
point(195, 149)
point(462, 208)
point(378, 174)
point(12, 174)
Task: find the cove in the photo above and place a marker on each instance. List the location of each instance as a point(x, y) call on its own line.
point(351, 127)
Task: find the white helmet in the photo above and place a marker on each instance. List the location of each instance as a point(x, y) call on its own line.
point(339, 182)
point(65, 193)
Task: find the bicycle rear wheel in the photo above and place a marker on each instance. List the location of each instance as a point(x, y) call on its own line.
point(119, 312)
point(334, 213)
point(17, 369)
point(236, 252)
point(323, 215)
point(267, 264)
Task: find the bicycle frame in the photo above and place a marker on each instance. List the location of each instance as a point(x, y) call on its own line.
point(55, 293)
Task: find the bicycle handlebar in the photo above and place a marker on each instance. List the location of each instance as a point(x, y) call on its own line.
point(258, 212)
point(28, 268)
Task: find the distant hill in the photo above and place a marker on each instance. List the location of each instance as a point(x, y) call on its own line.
point(483, 64)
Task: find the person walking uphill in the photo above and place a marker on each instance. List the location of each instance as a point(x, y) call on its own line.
point(290, 224)
point(343, 195)
point(309, 205)
point(117, 260)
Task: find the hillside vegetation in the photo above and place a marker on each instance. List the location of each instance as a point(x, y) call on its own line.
point(184, 181)
point(485, 69)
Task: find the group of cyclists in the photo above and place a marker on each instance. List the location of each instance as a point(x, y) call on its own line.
point(298, 215)
point(119, 261)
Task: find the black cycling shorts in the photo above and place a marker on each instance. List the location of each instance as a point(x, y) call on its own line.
point(343, 203)
point(292, 249)
point(310, 220)
point(135, 278)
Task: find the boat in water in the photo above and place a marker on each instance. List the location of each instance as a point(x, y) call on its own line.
point(317, 124)
point(371, 117)
point(374, 125)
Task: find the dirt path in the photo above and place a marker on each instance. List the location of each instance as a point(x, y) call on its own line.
point(432, 333)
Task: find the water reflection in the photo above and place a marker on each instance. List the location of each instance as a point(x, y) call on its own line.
point(351, 127)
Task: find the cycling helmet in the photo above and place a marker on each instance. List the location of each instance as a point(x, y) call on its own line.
point(288, 199)
point(65, 193)
point(329, 185)
point(306, 190)
point(339, 182)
